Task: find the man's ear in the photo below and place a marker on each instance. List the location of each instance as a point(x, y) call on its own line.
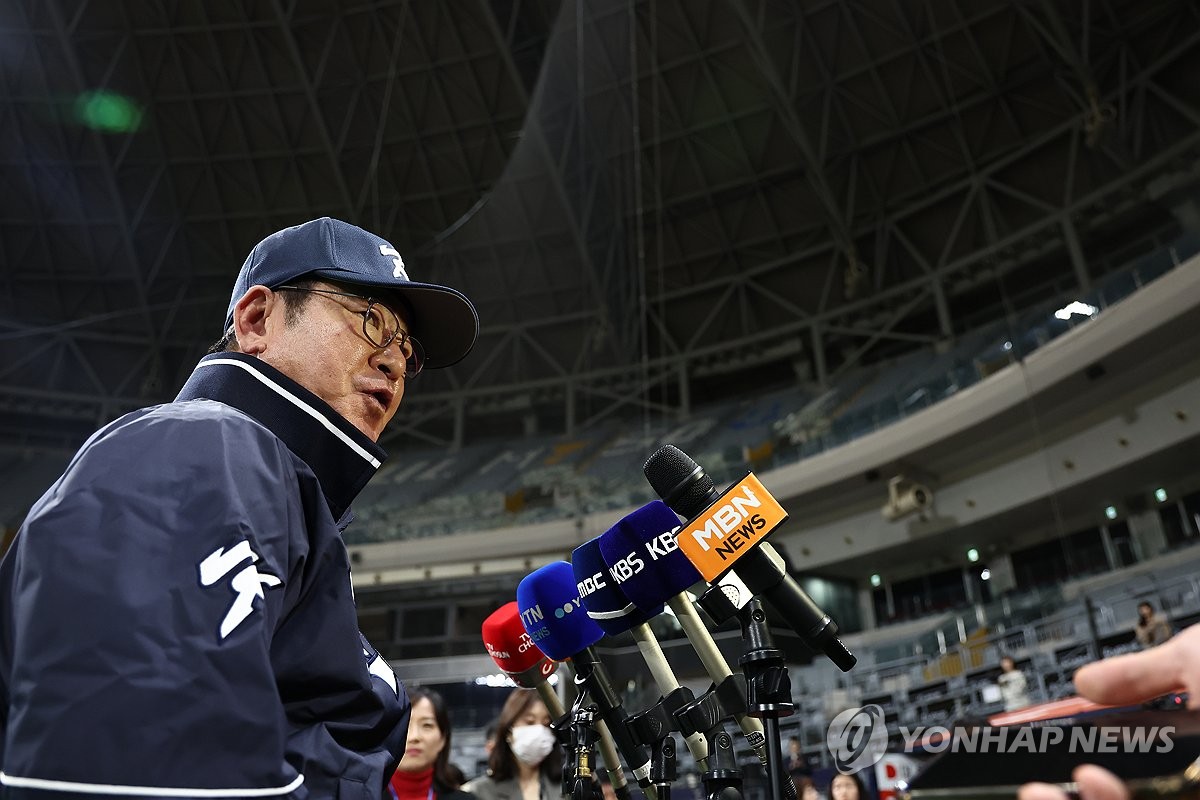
point(250, 319)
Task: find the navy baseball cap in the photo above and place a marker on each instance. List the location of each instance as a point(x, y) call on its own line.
point(443, 319)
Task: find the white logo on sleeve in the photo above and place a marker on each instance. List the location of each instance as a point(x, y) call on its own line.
point(247, 583)
point(380, 669)
point(397, 261)
point(377, 666)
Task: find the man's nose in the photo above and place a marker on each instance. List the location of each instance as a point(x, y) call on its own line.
point(389, 360)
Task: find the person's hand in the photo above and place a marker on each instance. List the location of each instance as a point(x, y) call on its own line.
point(1124, 680)
point(1095, 783)
point(1136, 677)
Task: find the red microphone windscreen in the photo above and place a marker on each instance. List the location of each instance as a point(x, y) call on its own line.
point(510, 646)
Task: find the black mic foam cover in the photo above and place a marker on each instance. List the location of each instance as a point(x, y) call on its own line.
point(679, 481)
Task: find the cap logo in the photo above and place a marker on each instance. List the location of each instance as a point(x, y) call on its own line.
point(397, 261)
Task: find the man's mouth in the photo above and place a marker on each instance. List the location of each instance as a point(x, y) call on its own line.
point(381, 396)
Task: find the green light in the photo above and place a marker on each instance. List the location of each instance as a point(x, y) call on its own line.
point(1111, 512)
point(108, 112)
point(876, 580)
point(972, 555)
point(1160, 495)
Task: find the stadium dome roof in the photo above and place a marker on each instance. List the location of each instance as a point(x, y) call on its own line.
point(651, 206)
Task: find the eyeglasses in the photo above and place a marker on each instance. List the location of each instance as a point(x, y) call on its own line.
point(381, 326)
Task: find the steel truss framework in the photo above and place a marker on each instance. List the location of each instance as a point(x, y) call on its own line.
point(643, 201)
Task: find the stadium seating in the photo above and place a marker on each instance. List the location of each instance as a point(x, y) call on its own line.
point(521, 480)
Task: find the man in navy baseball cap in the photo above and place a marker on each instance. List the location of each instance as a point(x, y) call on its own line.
point(206, 551)
point(442, 319)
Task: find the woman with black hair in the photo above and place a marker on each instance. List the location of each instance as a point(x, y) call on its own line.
point(847, 787)
point(522, 764)
point(425, 771)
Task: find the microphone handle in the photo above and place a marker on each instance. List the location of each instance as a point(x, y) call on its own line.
point(665, 680)
point(802, 615)
point(612, 762)
point(553, 704)
point(715, 665)
point(762, 570)
point(718, 670)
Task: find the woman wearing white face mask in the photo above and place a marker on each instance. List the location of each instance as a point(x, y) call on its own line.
point(525, 762)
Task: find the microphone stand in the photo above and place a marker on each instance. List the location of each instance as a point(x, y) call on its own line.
point(583, 749)
point(722, 779)
point(564, 735)
point(590, 678)
point(654, 727)
point(768, 688)
point(608, 751)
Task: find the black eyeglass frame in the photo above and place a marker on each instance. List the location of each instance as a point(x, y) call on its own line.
point(410, 347)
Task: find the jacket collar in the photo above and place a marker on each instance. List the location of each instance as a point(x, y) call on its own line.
point(340, 455)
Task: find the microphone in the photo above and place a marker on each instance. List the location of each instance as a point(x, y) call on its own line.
point(517, 656)
point(608, 607)
point(731, 528)
point(556, 622)
point(658, 573)
point(520, 659)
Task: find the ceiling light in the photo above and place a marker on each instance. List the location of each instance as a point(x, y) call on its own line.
point(108, 112)
point(1075, 307)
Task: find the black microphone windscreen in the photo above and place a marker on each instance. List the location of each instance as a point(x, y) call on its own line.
point(679, 481)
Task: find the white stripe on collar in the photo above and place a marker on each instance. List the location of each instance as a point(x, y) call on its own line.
point(143, 791)
point(298, 403)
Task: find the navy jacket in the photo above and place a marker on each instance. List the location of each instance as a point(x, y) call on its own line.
point(176, 613)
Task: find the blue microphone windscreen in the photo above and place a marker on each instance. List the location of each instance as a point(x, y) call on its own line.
point(552, 614)
point(606, 604)
point(655, 568)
